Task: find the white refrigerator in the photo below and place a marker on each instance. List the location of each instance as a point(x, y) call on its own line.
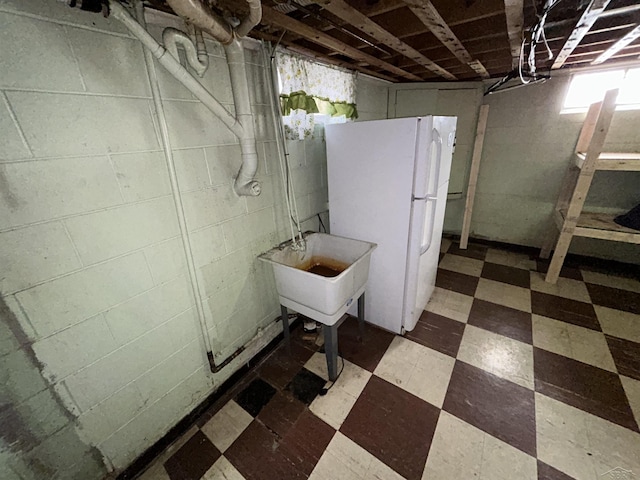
point(388, 184)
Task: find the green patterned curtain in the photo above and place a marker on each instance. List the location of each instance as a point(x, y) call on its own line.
point(311, 92)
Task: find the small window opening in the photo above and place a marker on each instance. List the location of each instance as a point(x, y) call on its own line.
point(588, 88)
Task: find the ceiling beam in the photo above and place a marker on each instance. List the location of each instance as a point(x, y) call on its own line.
point(307, 52)
point(514, 10)
point(619, 45)
point(427, 13)
point(272, 17)
point(588, 18)
point(368, 26)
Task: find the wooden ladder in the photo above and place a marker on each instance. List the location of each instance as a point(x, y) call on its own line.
point(569, 218)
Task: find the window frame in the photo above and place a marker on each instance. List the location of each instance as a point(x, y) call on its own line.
point(620, 107)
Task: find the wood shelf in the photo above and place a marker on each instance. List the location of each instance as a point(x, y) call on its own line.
point(575, 188)
point(621, 162)
point(602, 226)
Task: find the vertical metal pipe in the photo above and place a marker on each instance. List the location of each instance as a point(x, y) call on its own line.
point(177, 198)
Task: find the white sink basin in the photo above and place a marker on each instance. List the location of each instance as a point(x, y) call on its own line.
point(322, 298)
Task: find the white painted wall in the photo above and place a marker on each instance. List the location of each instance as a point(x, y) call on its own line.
point(371, 98)
point(90, 255)
point(528, 146)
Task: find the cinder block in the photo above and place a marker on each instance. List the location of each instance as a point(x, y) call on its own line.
point(211, 206)
point(296, 150)
point(141, 175)
point(223, 163)
point(20, 375)
point(37, 55)
point(191, 124)
point(207, 245)
point(166, 260)
point(60, 11)
point(48, 189)
point(99, 422)
point(171, 372)
point(240, 231)
point(73, 348)
point(32, 254)
point(216, 79)
point(60, 125)
point(110, 64)
point(112, 232)
point(228, 270)
point(191, 169)
point(142, 313)
point(96, 382)
point(12, 147)
point(68, 300)
point(146, 428)
point(221, 304)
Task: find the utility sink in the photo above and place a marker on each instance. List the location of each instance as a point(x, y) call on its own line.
point(321, 281)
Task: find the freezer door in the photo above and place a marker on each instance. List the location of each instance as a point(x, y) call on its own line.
point(428, 164)
point(422, 265)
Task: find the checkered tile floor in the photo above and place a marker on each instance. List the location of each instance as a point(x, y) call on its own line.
point(504, 377)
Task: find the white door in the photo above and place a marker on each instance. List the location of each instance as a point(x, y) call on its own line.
point(423, 215)
point(427, 221)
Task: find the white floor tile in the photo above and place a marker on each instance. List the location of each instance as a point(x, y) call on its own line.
point(346, 460)
point(503, 356)
point(618, 323)
point(579, 343)
point(334, 407)
point(457, 263)
point(417, 369)
point(227, 425)
point(613, 281)
point(445, 243)
point(460, 451)
point(504, 294)
point(450, 304)
point(564, 287)
point(510, 259)
point(222, 470)
point(580, 444)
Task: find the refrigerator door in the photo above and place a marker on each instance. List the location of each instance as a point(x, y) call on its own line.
point(370, 168)
point(426, 222)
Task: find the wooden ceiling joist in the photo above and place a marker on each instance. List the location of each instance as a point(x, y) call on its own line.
point(619, 45)
point(588, 18)
point(307, 52)
point(275, 18)
point(368, 26)
point(514, 11)
point(427, 13)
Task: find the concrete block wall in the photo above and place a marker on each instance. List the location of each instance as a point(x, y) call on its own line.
point(528, 146)
point(92, 263)
point(371, 98)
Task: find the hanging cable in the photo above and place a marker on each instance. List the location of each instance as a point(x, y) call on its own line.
point(283, 154)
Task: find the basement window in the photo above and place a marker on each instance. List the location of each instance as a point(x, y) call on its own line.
point(588, 88)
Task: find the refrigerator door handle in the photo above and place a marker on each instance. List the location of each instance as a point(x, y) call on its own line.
point(437, 139)
point(425, 246)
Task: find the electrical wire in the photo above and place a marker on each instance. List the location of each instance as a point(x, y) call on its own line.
point(321, 226)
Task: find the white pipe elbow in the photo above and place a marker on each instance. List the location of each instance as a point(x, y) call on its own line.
point(200, 14)
point(172, 37)
point(251, 20)
point(245, 185)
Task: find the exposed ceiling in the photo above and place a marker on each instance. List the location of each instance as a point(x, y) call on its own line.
point(431, 40)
